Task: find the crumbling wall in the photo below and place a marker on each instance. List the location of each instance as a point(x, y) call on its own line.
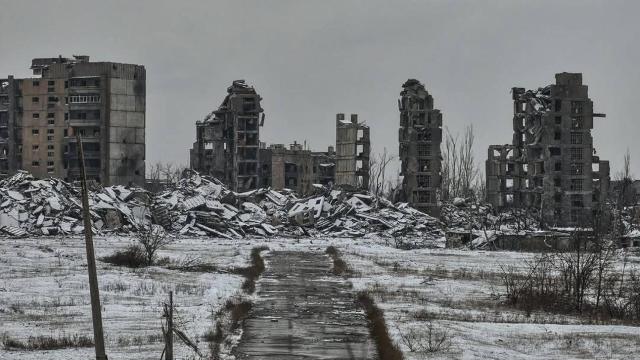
point(228, 140)
point(353, 149)
point(420, 136)
point(550, 165)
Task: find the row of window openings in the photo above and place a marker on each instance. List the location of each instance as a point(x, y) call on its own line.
point(75, 99)
point(575, 153)
point(75, 115)
point(81, 132)
point(51, 164)
point(577, 107)
point(73, 82)
point(576, 184)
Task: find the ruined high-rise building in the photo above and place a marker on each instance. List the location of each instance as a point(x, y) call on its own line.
point(228, 139)
point(296, 168)
point(551, 165)
point(420, 138)
point(104, 102)
point(352, 152)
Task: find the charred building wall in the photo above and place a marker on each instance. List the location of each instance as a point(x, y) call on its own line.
point(228, 140)
point(420, 137)
point(353, 148)
point(551, 164)
point(103, 102)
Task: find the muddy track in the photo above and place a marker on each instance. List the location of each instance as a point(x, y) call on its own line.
point(303, 311)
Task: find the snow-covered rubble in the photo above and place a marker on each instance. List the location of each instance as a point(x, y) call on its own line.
point(200, 205)
point(52, 206)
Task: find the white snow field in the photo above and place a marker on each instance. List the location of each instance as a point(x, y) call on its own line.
point(44, 292)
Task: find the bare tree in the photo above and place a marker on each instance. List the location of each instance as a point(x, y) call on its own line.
point(624, 178)
point(377, 172)
point(459, 168)
point(152, 239)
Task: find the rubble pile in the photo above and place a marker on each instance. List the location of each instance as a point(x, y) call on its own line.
point(52, 206)
point(202, 206)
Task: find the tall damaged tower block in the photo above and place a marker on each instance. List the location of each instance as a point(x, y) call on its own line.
point(420, 137)
point(551, 166)
point(353, 148)
point(228, 139)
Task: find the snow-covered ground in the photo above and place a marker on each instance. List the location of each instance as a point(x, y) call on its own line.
point(457, 291)
point(44, 292)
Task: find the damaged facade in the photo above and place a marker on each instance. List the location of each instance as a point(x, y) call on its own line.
point(228, 139)
point(296, 168)
point(551, 165)
point(353, 149)
point(104, 102)
point(420, 137)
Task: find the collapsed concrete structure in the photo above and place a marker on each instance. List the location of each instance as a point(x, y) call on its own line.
point(353, 148)
point(103, 102)
point(296, 168)
point(228, 139)
point(551, 164)
point(420, 137)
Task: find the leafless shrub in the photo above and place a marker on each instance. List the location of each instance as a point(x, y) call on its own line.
point(151, 240)
point(133, 257)
point(339, 266)
point(48, 342)
point(427, 340)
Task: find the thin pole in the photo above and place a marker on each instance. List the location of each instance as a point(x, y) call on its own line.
point(170, 328)
point(98, 336)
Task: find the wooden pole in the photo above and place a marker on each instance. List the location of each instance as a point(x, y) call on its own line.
point(98, 336)
point(170, 328)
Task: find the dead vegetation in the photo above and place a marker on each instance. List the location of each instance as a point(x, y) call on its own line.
point(47, 342)
point(387, 349)
point(253, 271)
point(582, 281)
point(132, 257)
point(339, 266)
point(428, 339)
point(229, 318)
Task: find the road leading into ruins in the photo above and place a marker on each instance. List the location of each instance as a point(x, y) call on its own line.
point(303, 311)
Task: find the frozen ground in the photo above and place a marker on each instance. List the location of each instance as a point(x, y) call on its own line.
point(457, 292)
point(43, 291)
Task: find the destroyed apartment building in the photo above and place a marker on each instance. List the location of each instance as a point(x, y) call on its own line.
point(228, 148)
point(420, 136)
point(296, 168)
point(103, 102)
point(551, 165)
point(228, 139)
point(353, 148)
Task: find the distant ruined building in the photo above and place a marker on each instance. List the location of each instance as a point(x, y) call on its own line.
point(228, 147)
point(353, 149)
point(420, 137)
point(228, 139)
point(551, 165)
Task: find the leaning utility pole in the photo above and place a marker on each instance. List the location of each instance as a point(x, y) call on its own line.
point(169, 340)
point(98, 336)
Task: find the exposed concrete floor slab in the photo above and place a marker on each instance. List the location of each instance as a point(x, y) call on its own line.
point(303, 311)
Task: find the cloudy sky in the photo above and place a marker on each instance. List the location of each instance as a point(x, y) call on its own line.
point(312, 59)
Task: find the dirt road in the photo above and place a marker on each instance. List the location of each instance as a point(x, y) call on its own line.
point(304, 312)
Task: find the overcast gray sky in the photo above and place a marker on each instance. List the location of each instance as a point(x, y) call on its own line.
point(312, 59)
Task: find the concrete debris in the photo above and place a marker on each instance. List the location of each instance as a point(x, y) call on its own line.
point(202, 206)
point(53, 207)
